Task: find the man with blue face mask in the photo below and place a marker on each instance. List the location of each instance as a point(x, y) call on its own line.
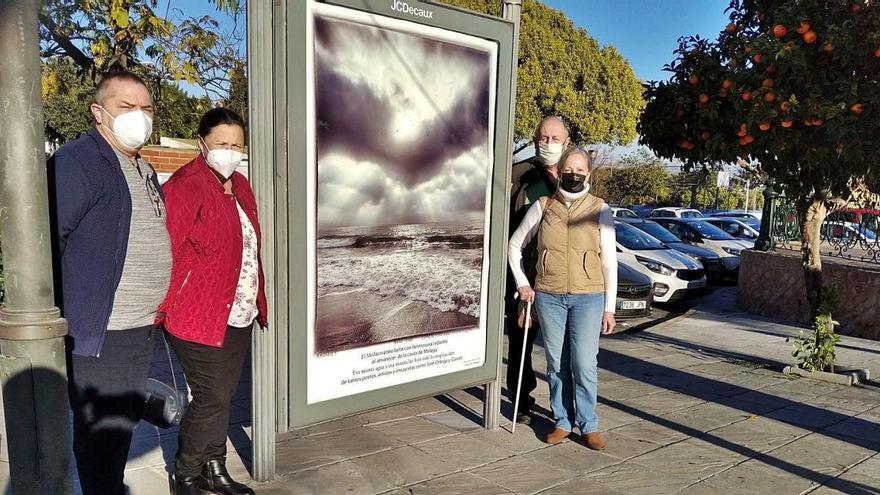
point(532, 179)
point(113, 263)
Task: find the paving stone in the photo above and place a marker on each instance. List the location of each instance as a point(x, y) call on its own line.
point(346, 477)
point(464, 451)
point(573, 457)
point(634, 479)
point(611, 417)
point(356, 442)
point(856, 399)
point(330, 426)
point(651, 431)
point(707, 416)
point(758, 434)
point(297, 454)
point(662, 402)
point(754, 477)
point(526, 438)
point(581, 486)
point(861, 431)
point(521, 475)
point(623, 447)
point(391, 413)
point(682, 361)
point(155, 451)
point(455, 420)
point(405, 465)
point(693, 458)
point(414, 430)
point(822, 454)
point(147, 481)
point(716, 369)
point(627, 389)
point(807, 416)
point(759, 402)
point(453, 484)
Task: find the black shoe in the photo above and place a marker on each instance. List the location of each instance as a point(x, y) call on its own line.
point(219, 481)
point(190, 485)
point(523, 418)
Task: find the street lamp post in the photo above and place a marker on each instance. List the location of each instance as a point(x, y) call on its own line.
point(765, 237)
point(32, 355)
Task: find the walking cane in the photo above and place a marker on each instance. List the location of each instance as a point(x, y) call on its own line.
point(522, 362)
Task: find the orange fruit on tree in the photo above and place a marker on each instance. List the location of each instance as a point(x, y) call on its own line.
point(817, 121)
point(743, 130)
point(757, 58)
point(785, 123)
point(730, 28)
point(746, 95)
point(857, 109)
point(856, 8)
point(770, 97)
point(803, 27)
point(785, 106)
point(877, 53)
point(827, 47)
point(764, 126)
point(780, 30)
point(705, 135)
point(768, 83)
point(694, 79)
point(771, 70)
point(726, 84)
point(704, 98)
point(686, 145)
point(810, 37)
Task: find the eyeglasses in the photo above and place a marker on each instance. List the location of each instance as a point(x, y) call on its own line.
point(152, 191)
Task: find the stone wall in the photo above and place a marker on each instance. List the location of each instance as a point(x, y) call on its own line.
point(772, 284)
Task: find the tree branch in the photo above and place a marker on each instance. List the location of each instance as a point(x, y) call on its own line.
point(65, 43)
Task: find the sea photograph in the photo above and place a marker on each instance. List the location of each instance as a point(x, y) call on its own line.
point(402, 136)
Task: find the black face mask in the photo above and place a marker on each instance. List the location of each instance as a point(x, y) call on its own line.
point(571, 182)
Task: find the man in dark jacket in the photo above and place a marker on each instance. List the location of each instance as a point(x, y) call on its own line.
point(532, 179)
point(113, 263)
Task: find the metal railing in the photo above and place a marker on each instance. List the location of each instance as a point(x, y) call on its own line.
point(851, 232)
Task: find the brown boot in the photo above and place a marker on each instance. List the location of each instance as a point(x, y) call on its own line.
point(558, 435)
point(594, 440)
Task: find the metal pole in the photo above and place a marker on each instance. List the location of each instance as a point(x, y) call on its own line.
point(522, 363)
point(748, 190)
point(262, 153)
point(765, 236)
point(510, 11)
point(32, 358)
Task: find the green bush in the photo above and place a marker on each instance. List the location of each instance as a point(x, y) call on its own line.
point(816, 352)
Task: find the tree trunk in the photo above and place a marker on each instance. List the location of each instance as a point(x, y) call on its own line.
point(813, 214)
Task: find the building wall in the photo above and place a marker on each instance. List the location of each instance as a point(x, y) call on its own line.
point(772, 284)
point(167, 160)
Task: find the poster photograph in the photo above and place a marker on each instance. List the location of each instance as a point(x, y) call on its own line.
point(402, 143)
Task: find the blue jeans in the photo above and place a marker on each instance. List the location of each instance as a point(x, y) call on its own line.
point(570, 326)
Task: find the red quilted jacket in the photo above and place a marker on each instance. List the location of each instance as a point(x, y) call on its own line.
point(206, 249)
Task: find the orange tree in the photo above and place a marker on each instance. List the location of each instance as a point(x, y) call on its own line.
point(792, 84)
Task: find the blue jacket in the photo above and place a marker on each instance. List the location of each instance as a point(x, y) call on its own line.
point(91, 216)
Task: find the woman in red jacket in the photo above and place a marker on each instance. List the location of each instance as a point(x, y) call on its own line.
point(216, 293)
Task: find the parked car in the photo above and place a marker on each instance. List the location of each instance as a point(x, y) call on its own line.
point(675, 276)
point(750, 219)
point(846, 231)
point(675, 212)
point(735, 227)
point(704, 234)
point(634, 293)
point(756, 214)
point(620, 212)
point(709, 259)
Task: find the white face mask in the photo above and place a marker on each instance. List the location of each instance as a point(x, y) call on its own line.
point(132, 129)
point(223, 161)
point(548, 153)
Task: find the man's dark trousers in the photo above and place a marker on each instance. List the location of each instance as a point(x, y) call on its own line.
point(107, 398)
point(516, 338)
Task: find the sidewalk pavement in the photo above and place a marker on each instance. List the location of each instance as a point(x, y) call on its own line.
point(693, 405)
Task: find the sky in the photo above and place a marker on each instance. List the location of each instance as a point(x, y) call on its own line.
point(645, 32)
point(402, 127)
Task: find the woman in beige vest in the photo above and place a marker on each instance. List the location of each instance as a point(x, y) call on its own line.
point(575, 291)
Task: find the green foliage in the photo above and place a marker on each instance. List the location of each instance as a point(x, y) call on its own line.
point(563, 71)
point(140, 35)
point(816, 352)
point(817, 129)
point(644, 180)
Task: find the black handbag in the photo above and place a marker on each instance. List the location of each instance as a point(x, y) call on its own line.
point(164, 405)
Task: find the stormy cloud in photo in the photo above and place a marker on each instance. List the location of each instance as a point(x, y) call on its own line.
point(402, 127)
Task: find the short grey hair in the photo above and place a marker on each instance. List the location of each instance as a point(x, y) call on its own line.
point(551, 117)
point(575, 150)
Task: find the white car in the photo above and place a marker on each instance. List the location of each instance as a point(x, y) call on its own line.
point(675, 212)
point(675, 276)
point(702, 233)
point(619, 212)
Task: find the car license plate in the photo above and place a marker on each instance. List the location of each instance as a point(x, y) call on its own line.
point(632, 304)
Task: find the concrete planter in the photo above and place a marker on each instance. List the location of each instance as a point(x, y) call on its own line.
point(841, 376)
